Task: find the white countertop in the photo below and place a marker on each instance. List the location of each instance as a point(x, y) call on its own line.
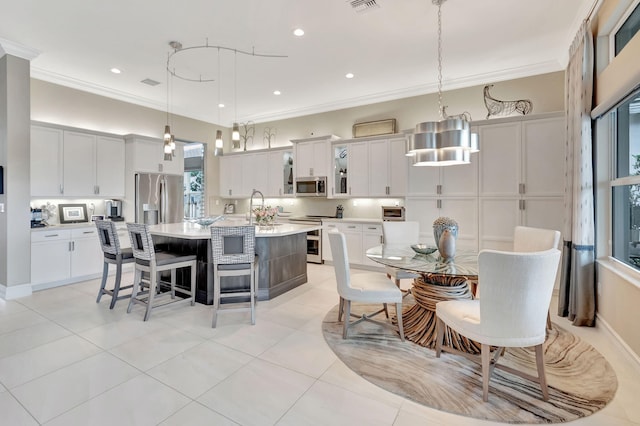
point(193, 231)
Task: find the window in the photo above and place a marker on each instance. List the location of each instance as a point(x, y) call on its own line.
point(627, 30)
point(194, 196)
point(626, 185)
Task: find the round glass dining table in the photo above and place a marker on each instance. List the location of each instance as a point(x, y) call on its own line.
point(439, 280)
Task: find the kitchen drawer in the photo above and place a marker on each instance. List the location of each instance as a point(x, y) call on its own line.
point(84, 233)
point(50, 235)
point(349, 227)
point(372, 229)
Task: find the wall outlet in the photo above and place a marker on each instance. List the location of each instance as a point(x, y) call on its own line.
point(1, 207)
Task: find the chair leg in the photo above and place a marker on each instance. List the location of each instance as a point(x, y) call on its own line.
point(252, 294)
point(173, 283)
point(548, 320)
point(193, 284)
point(153, 285)
point(485, 355)
point(347, 316)
point(386, 311)
point(340, 309)
point(105, 273)
point(542, 378)
point(134, 291)
point(439, 336)
point(399, 316)
point(216, 296)
point(116, 287)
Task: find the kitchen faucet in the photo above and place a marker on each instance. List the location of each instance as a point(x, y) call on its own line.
point(255, 191)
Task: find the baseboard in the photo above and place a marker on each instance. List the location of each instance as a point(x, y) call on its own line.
point(15, 291)
point(635, 357)
point(48, 285)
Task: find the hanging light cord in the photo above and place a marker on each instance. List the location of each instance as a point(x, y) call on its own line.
point(439, 3)
point(235, 85)
point(218, 86)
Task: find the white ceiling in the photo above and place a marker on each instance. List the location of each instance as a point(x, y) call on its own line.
point(390, 49)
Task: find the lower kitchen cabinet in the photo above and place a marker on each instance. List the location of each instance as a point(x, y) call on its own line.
point(62, 256)
point(359, 237)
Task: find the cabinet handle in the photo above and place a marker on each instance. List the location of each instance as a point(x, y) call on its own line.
point(521, 188)
point(61, 189)
point(521, 204)
point(351, 226)
point(381, 239)
point(439, 204)
point(311, 171)
point(387, 190)
point(51, 235)
point(438, 189)
point(87, 232)
point(372, 228)
point(229, 192)
point(97, 189)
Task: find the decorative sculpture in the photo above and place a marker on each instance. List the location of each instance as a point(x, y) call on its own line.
point(445, 233)
point(249, 131)
point(464, 116)
point(496, 107)
point(269, 135)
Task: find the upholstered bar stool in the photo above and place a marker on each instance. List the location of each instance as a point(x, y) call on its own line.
point(113, 255)
point(147, 260)
point(233, 254)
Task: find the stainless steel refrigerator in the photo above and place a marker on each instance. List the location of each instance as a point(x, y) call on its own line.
point(159, 198)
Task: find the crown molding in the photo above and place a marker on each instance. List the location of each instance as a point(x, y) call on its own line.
point(8, 47)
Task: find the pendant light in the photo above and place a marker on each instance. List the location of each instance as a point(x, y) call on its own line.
point(446, 142)
point(167, 129)
point(218, 151)
point(235, 131)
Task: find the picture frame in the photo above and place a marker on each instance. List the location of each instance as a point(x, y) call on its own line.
point(73, 213)
point(374, 128)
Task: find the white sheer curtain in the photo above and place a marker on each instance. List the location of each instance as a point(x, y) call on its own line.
point(577, 298)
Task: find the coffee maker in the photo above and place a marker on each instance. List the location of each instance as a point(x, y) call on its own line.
point(114, 210)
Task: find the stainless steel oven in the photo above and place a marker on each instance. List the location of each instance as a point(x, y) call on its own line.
point(314, 238)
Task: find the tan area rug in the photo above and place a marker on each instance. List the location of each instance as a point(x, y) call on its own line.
point(581, 381)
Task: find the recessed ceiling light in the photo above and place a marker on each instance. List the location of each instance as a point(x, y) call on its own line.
point(298, 32)
point(276, 92)
point(349, 75)
point(220, 105)
point(115, 70)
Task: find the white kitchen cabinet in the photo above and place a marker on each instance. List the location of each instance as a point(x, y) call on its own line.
point(459, 180)
point(312, 156)
point(369, 167)
point(279, 173)
point(231, 176)
point(79, 160)
point(254, 173)
point(389, 167)
point(521, 178)
point(76, 164)
point(110, 167)
point(359, 237)
point(46, 161)
point(371, 237)
point(146, 155)
point(61, 256)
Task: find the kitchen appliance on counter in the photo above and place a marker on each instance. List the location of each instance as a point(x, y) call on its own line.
point(229, 208)
point(114, 210)
point(313, 186)
point(393, 213)
point(159, 198)
point(36, 219)
point(314, 238)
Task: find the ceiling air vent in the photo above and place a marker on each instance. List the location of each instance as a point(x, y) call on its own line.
point(150, 82)
point(361, 6)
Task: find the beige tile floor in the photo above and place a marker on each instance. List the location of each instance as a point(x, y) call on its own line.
point(65, 360)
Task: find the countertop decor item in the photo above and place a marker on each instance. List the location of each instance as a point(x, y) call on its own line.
point(423, 248)
point(205, 222)
point(265, 216)
point(73, 213)
point(445, 233)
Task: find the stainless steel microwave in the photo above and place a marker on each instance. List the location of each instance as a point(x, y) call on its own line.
point(313, 186)
point(393, 213)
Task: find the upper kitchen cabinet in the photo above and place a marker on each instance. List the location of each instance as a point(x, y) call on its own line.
point(280, 173)
point(369, 167)
point(268, 171)
point(75, 164)
point(231, 176)
point(312, 156)
point(146, 155)
point(46, 161)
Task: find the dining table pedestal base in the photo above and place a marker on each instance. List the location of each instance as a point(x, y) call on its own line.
point(419, 320)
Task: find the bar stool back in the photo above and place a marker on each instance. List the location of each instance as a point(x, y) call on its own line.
point(113, 255)
point(147, 260)
point(233, 254)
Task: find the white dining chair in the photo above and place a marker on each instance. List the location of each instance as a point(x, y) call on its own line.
point(516, 291)
point(365, 288)
point(397, 233)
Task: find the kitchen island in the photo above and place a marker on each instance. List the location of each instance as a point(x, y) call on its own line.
point(281, 250)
